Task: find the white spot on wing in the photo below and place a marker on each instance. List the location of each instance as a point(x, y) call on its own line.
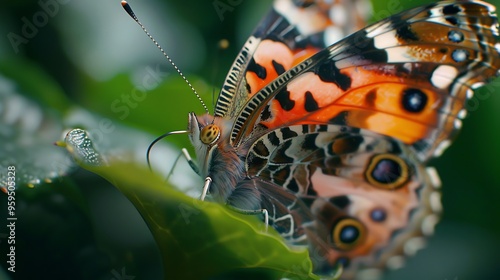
point(395, 262)
point(386, 40)
point(407, 66)
point(413, 245)
point(443, 76)
point(470, 94)
point(435, 202)
point(441, 147)
point(398, 55)
point(460, 55)
point(437, 20)
point(477, 85)
point(434, 177)
point(429, 223)
point(378, 29)
point(462, 114)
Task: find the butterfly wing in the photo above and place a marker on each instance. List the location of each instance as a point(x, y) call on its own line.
point(291, 32)
point(337, 145)
point(407, 77)
point(352, 195)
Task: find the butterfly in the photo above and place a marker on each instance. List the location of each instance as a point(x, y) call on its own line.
point(332, 135)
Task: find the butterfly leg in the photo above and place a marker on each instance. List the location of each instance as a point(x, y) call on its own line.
point(190, 161)
point(253, 212)
point(171, 172)
point(204, 192)
point(264, 212)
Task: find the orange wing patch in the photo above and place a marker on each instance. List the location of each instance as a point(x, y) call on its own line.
point(272, 59)
point(269, 59)
point(395, 107)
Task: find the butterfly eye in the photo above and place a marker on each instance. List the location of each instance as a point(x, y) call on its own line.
point(387, 171)
point(209, 134)
point(347, 234)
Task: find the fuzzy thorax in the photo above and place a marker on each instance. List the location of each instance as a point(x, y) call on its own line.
point(218, 160)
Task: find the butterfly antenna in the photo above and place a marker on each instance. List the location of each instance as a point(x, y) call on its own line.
point(131, 13)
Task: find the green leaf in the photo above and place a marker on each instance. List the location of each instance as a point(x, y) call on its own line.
point(27, 133)
point(199, 240)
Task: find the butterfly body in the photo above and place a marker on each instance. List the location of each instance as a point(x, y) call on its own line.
point(219, 158)
point(332, 139)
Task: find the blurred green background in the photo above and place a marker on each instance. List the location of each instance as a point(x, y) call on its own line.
point(91, 54)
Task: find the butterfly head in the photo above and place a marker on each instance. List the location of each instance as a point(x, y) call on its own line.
point(209, 136)
point(206, 134)
point(204, 130)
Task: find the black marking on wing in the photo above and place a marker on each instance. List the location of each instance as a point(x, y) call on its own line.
point(278, 67)
point(414, 100)
point(361, 45)
point(329, 73)
point(340, 201)
point(283, 98)
point(248, 87)
point(273, 138)
point(261, 149)
point(340, 118)
point(259, 70)
point(406, 33)
point(451, 9)
point(452, 20)
point(266, 113)
point(288, 133)
point(293, 186)
point(371, 98)
point(310, 104)
point(309, 142)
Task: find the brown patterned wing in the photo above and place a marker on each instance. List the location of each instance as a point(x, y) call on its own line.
point(353, 196)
